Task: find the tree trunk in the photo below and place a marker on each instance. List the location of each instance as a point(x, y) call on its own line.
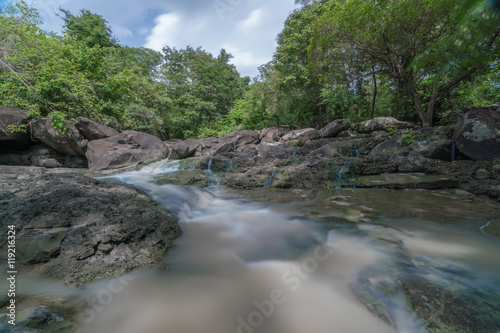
point(374, 91)
point(418, 105)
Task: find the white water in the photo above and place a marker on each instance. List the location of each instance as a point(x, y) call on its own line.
point(245, 267)
point(242, 268)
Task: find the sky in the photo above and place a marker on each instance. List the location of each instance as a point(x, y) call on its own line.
point(245, 28)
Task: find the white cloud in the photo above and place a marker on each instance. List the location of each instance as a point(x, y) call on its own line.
point(248, 30)
point(164, 32)
point(252, 21)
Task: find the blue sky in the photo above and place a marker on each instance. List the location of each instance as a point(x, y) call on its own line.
point(245, 28)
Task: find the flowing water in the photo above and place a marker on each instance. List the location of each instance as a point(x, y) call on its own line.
point(248, 267)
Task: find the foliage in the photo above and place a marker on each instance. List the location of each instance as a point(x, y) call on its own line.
point(425, 47)
point(88, 28)
point(409, 138)
point(202, 88)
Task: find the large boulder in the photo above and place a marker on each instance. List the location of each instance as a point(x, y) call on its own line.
point(234, 140)
point(11, 141)
point(127, 149)
point(92, 130)
point(182, 149)
point(335, 127)
point(381, 124)
point(79, 229)
point(69, 142)
point(12, 117)
point(477, 135)
point(303, 135)
point(271, 134)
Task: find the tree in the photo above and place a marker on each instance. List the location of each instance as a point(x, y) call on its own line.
point(425, 47)
point(89, 28)
point(202, 88)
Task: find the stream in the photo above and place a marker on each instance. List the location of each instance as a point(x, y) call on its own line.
point(242, 266)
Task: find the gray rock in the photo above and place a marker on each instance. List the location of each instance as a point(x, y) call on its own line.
point(128, 149)
point(334, 128)
point(482, 174)
point(440, 149)
point(233, 140)
point(381, 124)
point(77, 229)
point(477, 135)
point(92, 130)
point(182, 149)
point(271, 134)
point(15, 117)
point(303, 135)
point(71, 142)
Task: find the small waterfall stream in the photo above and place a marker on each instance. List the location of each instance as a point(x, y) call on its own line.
point(252, 268)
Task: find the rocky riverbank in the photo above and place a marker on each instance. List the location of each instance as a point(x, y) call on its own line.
point(76, 229)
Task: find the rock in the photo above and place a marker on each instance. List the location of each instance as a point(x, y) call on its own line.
point(334, 128)
point(271, 134)
point(11, 142)
point(391, 147)
point(482, 174)
point(329, 150)
point(477, 135)
point(78, 229)
point(346, 134)
point(92, 130)
point(12, 117)
point(407, 180)
point(303, 135)
point(381, 124)
point(439, 150)
point(127, 149)
point(43, 156)
point(71, 142)
point(208, 142)
point(233, 140)
point(183, 149)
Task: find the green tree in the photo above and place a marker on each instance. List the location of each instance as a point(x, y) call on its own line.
point(202, 89)
point(89, 28)
point(425, 47)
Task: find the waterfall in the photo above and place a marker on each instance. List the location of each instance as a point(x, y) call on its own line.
point(269, 179)
point(453, 152)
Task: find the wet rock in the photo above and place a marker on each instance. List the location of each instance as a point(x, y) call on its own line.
point(381, 124)
point(407, 180)
point(127, 149)
point(68, 142)
point(67, 224)
point(334, 128)
point(92, 130)
point(190, 177)
point(477, 135)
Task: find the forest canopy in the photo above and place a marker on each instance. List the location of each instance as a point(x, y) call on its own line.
point(419, 60)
